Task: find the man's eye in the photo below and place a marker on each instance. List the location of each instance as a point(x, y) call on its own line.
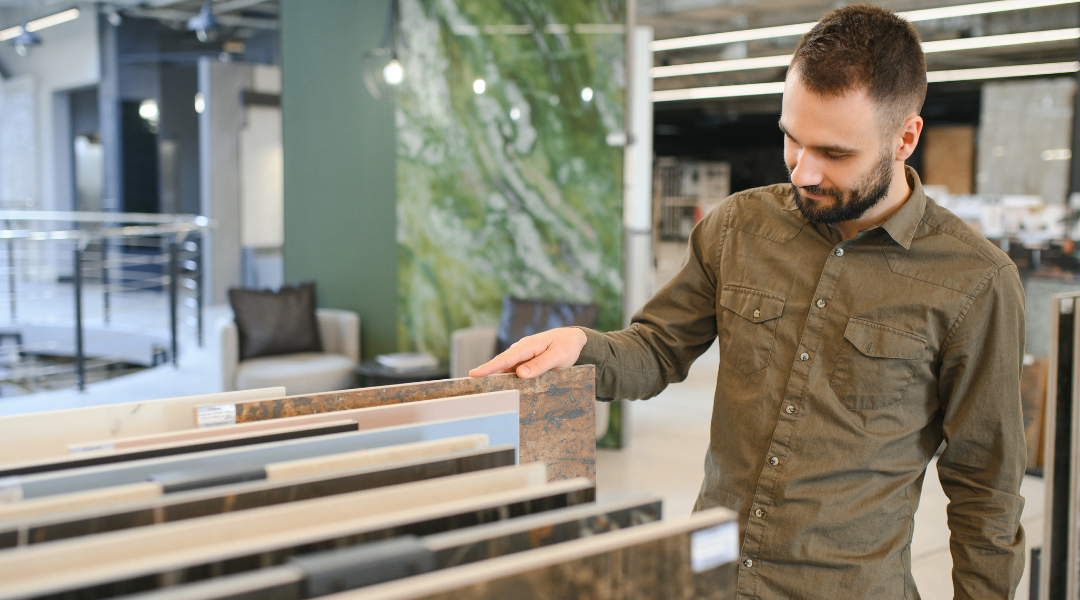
point(834, 156)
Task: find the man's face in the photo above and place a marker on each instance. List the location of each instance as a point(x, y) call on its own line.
point(836, 156)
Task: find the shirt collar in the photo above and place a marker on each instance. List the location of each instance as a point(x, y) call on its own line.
point(902, 224)
point(905, 221)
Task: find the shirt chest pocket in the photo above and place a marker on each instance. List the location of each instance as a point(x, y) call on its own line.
point(750, 328)
point(876, 365)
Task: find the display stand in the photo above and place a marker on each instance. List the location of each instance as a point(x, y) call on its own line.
point(374, 512)
point(1059, 567)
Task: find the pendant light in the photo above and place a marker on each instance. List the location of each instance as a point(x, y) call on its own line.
point(382, 68)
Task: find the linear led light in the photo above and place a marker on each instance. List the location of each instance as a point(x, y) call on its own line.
point(764, 62)
point(719, 91)
point(39, 24)
point(761, 89)
point(1003, 72)
point(928, 14)
point(721, 66)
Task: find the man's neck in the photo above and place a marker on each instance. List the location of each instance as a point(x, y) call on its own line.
point(899, 192)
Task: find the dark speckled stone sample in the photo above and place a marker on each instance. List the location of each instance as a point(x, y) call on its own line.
point(558, 417)
point(657, 569)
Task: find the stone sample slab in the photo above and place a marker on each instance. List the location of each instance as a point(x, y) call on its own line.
point(557, 410)
point(247, 496)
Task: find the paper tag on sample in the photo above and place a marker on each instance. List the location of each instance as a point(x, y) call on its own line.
point(216, 416)
point(10, 489)
point(712, 547)
point(106, 446)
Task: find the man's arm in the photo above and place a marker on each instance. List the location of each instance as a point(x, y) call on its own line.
point(985, 456)
point(673, 328)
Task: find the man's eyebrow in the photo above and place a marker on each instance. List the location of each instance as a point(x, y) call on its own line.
point(831, 149)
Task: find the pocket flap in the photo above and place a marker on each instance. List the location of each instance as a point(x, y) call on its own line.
point(880, 341)
point(752, 305)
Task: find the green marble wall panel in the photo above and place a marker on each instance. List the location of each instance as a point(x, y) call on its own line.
point(514, 190)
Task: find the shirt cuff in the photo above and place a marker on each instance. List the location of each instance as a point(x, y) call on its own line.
point(597, 351)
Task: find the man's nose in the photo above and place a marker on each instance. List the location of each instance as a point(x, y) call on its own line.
point(806, 171)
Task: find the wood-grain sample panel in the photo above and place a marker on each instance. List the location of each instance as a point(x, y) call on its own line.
point(93, 459)
point(247, 496)
point(654, 560)
point(232, 465)
point(558, 420)
point(44, 435)
point(100, 568)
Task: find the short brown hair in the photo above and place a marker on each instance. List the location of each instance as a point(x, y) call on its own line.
point(865, 46)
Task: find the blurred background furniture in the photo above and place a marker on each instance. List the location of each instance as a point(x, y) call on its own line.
point(303, 373)
point(474, 346)
point(373, 373)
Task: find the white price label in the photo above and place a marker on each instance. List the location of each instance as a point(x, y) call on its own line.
point(216, 416)
point(712, 547)
point(92, 448)
point(10, 489)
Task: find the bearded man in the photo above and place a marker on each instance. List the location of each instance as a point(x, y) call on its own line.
point(860, 325)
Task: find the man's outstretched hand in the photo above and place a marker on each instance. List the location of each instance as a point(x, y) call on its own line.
point(537, 354)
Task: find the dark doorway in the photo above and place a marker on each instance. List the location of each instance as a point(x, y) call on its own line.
point(139, 156)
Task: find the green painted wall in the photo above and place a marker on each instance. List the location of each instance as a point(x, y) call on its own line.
point(339, 164)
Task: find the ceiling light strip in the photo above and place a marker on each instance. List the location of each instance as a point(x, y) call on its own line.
point(720, 91)
point(1003, 72)
point(928, 14)
point(39, 24)
point(765, 62)
point(49, 21)
point(761, 89)
point(721, 66)
point(994, 41)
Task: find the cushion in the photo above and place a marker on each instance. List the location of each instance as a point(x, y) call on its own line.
point(522, 318)
point(306, 373)
point(271, 322)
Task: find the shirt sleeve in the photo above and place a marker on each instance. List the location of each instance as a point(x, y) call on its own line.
point(985, 456)
point(677, 325)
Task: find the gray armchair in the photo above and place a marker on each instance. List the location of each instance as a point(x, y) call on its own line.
point(305, 373)
point(472, 347)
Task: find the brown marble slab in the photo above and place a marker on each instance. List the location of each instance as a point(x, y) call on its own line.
point(558, 418)
point(647, 562)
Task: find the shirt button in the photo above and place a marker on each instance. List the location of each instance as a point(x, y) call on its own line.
point(775, 461)
point(790, 409)
point(748, 563)
point(839, 252)
point(821, 304)
point(759, 513)
point(757, 313)
point(804, 357)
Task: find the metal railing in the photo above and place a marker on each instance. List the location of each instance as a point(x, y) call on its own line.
point(120, 271)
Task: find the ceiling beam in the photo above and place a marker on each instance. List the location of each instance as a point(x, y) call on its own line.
point(169, 14)
point(231, 5)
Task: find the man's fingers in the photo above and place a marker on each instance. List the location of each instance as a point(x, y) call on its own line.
point(509, 360)
point(534, 367)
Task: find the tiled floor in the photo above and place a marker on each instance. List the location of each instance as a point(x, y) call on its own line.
point(668, 438)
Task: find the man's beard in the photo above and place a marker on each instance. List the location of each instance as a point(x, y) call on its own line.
point(850, 204)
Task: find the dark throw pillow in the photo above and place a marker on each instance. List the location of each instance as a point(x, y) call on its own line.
point(521, 318)
point(276, 322)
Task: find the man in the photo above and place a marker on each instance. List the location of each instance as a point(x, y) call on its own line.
point(859, 325)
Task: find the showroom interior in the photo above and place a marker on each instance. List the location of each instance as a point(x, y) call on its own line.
point(250, 251)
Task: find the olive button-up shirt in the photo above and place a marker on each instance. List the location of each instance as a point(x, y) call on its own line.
point(843, 366)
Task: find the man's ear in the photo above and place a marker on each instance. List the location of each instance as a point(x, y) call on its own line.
point(908, 137)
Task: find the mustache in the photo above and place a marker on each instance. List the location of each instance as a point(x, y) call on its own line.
point(817, 190)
